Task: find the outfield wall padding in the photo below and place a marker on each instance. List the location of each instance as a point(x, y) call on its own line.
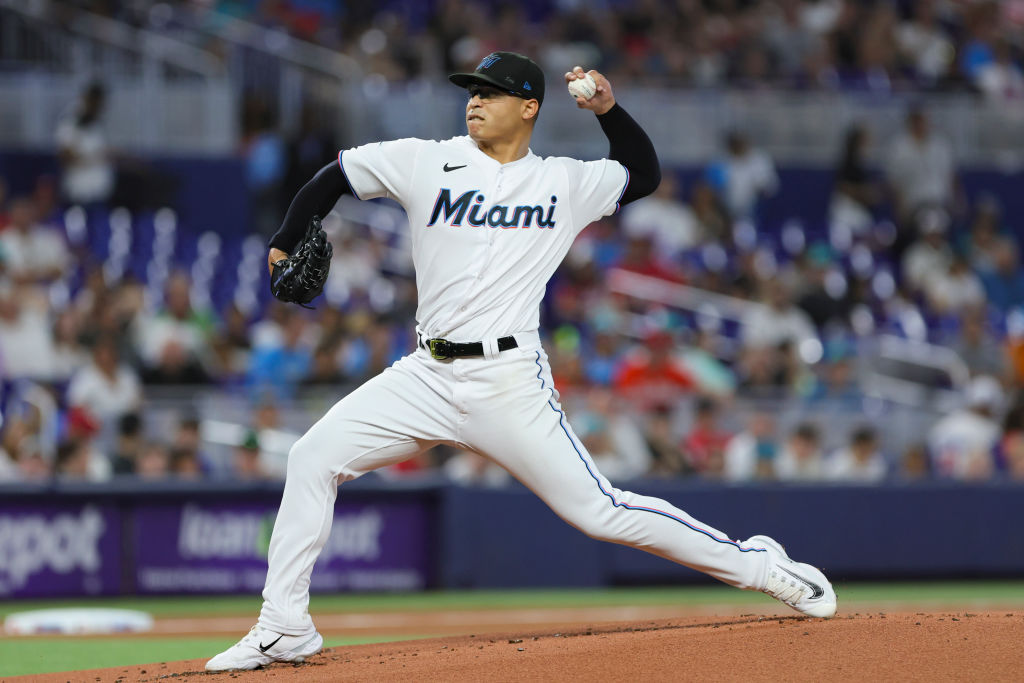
point(69, 540)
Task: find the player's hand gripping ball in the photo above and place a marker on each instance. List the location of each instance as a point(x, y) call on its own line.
point(300, 278)
point(584, 87)
point(590, 89)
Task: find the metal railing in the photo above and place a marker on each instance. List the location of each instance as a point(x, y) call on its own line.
point(61, 39)
point(163, 93)
point(141, 115)
point(292, 73)
point(226, 415)
point(688, 127)
point(43, 39)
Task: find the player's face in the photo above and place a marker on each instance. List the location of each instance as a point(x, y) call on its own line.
point(492, 114)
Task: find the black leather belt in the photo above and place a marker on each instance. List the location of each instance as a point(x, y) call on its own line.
point(442, 349)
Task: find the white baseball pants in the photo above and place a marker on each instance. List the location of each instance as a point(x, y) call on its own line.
point(503, 407)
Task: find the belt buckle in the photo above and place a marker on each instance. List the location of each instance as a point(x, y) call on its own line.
point(440, 349)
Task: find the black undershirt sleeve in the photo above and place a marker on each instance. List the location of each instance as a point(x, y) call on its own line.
point(316, 198)
point(629, 145)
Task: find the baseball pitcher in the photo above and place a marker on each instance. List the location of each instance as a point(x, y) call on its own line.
point(490, 222)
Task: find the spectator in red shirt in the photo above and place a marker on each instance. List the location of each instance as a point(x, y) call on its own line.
point(651, 374)
point(705, 444)
point(639, 258)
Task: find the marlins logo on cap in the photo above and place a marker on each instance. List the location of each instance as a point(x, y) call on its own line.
point(512, 72)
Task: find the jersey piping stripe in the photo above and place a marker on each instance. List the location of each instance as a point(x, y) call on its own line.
point(621, 194)
point(342, 164)
point(615, 503)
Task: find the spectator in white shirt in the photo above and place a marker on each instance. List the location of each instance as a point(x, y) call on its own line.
point(954, 289)
point(961, 444)
point(26, 346)
point(925, 43)
point(750, 454)
point(88, 170)
point(1001, 80)
point(800, 458)
point(178, 329)
point(931, 253)
point(33, 253)
point(106, 388)
point(662, 217)
point(860, 461)
point(920, 167)
point(743, 177)
point(778, 321)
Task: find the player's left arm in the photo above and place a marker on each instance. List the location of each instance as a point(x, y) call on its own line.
point(628, 144)
point(316, 198)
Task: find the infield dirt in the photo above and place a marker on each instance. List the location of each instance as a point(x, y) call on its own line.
point(911, 646)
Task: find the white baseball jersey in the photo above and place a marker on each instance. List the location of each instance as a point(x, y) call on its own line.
point(486, 236)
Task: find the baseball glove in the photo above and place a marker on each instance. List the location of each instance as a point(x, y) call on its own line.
point(300, 278)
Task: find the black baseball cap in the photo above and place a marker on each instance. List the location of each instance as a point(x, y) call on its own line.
point(511, 72)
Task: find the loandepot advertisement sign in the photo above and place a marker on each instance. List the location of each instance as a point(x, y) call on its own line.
point(222, 548)
point(62, 549)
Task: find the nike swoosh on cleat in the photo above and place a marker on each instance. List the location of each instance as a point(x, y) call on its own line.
point(815, 588)
point(264, 648)
point(448, 168)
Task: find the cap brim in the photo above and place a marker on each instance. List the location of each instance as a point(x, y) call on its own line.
point(466, 80)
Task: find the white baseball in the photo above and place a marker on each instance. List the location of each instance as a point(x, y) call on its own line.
point(583, 87)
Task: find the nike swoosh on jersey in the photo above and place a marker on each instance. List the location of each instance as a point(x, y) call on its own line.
point(817, 591)
point(448, 168)
point(264, 648)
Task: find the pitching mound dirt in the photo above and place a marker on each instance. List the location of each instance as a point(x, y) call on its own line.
point(867, 646)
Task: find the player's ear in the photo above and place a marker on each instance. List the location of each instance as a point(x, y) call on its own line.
point(529, 110)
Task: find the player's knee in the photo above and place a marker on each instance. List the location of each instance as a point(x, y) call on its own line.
point(299, 453)
point(599, 527)
point(321, 454)
point(304, 454)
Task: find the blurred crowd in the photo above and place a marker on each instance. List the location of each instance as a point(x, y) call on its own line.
point(680, 330)
point(876, 45)
point(652, 389)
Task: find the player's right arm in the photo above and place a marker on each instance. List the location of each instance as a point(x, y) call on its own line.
point(630, 172)
point(628, 144)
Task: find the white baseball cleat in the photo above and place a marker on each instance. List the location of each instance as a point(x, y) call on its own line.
point(260, 647)
point(799, 585)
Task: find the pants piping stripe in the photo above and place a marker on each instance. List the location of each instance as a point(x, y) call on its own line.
point(615, 503)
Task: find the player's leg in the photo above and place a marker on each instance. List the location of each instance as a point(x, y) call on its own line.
point(525, 430)
point(390, 418)
point(385, 421)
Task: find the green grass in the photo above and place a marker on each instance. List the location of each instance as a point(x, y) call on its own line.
point(43, 655)
point(1010, 592)
point(1002, 593)
point(40, 655)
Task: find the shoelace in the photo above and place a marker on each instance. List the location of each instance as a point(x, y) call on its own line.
point(783, 587)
